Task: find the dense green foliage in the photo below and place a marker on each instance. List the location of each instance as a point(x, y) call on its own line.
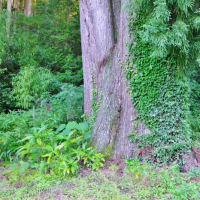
point(59, 151)
point(165, 183)
point(43, 137)
point(41, 91)
point(43, 49)
point(164, 84)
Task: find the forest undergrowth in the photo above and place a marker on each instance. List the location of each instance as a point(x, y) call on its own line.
point(45, 147)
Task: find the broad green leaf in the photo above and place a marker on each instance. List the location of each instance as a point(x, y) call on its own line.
point(39, 141)
point(87, 135)
point(60, 128)
point(82, 126)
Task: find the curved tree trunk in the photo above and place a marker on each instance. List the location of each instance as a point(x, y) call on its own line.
point(104, 32)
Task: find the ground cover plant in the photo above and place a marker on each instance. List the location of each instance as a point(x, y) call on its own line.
point(136, 182)
point(57, 152)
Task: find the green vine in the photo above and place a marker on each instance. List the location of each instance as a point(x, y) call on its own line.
point(164, 42)
point(95, 104)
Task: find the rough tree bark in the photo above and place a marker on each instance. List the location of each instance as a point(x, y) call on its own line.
point(28, 7)
point(104, 32)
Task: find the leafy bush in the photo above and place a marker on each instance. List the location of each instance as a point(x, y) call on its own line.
point(30, 86)
point(61, 151)
point(60, 108)
point(6, 71)
point(65, 106)
point(13, 126)
point(68, 103)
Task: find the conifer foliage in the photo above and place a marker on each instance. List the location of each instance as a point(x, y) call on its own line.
point(172, 27)
point(163, 71)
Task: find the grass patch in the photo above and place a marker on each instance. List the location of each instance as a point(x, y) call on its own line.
point(138, 182)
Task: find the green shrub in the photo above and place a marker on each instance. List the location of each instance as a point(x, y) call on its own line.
point(68, 103)
point(46, 43)
point(59, 152)
point(13, 127)
point(30, 86)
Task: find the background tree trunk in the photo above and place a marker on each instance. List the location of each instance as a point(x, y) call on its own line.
point(16, 5)
point(28, 7)
point(104, 32)
point(8, 22)
point(1, 5)
point(21, 4)
point(9, 5)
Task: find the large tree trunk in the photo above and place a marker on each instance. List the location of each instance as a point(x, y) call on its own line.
point(104, 32)
point(28, 7)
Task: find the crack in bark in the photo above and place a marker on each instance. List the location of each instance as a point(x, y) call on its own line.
point(105, 59)
point(87, 28)
point(113, 21)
